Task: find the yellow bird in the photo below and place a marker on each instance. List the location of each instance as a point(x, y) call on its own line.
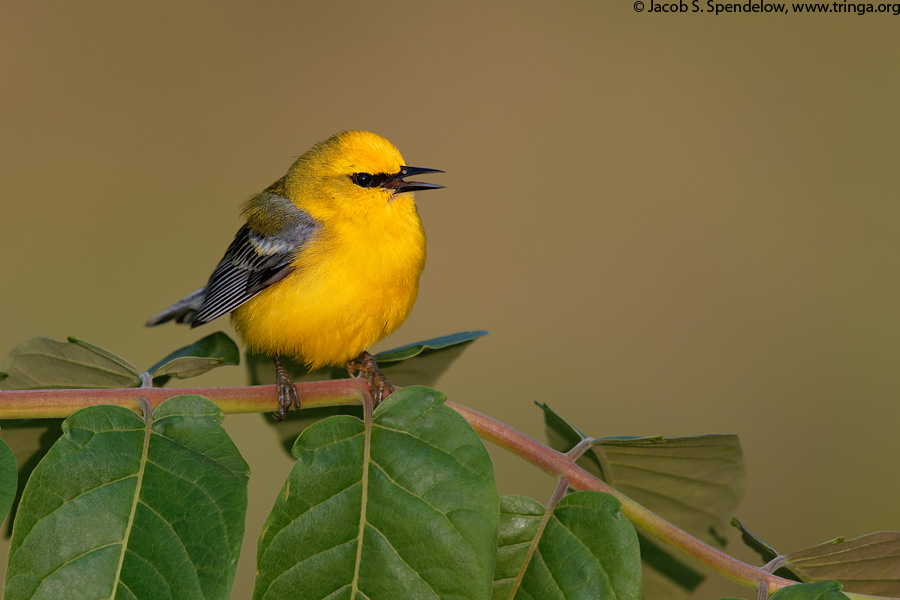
point(327, 264)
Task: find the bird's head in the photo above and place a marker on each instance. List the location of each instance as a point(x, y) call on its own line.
point(353, 172)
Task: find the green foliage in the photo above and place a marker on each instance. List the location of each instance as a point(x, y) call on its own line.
point(407, 509)
point(869, 564)
point(30, 440)
point(694, 482)
point(586, 549)
point(45, 364)
point(826, 590)
point(215, 350)
point(760, 546)
point(127, 507)
point(853, 562)
point(520, 521)
point(8, 478)
point(403, 507)
point(404, 353)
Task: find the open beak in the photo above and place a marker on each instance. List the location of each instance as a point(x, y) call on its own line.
point(399, 186)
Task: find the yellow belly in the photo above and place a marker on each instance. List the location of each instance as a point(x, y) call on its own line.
point(349, 289)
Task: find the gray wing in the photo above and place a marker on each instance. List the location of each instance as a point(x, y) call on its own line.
point(181, 311)
point(255, 261)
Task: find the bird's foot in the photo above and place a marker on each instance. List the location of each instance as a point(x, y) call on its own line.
point(367, 367)
point(287, 392)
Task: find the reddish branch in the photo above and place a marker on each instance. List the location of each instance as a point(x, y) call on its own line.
point(32, 404)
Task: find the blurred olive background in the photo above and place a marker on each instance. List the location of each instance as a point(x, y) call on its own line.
point(671, 224)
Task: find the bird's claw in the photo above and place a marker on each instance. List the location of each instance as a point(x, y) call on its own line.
point(367, 367)
point(287, 392)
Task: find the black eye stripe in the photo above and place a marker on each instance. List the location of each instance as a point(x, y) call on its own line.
point(368, 180)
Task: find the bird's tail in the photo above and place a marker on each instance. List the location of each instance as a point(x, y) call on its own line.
point(182, 311)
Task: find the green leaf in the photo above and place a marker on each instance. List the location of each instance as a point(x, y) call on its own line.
point(826, 590)
point(42, 363)
point(9, 478)
point(127, 508)
point(215, 350)
point(763, 548)
point(424, 362)
point(409, 511)
point(869, 564)
point(695, 482)
point(30, 440)
point(421, 363)
point(520, 519)
point(563, 436)
point(587, 550)
point(610, 552)
point(439, 343)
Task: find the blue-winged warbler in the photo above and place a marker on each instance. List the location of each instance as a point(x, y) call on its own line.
point(327, 264)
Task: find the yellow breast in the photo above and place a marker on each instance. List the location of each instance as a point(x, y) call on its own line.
point(353, 284)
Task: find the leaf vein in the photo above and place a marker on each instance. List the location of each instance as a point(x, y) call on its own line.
point(310, 557)
point(403, 560)
point(145, 406)
point(673, 475)
point(177, 537)
point(45, 578)
point(199, 454)
point(447, 519)
point(537, 553)
point(443, 451)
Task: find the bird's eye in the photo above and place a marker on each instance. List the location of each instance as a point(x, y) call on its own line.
point(364, 180)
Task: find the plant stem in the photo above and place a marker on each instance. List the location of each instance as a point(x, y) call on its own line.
point(43, 404)
point(35, 404)
point(561, 465)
